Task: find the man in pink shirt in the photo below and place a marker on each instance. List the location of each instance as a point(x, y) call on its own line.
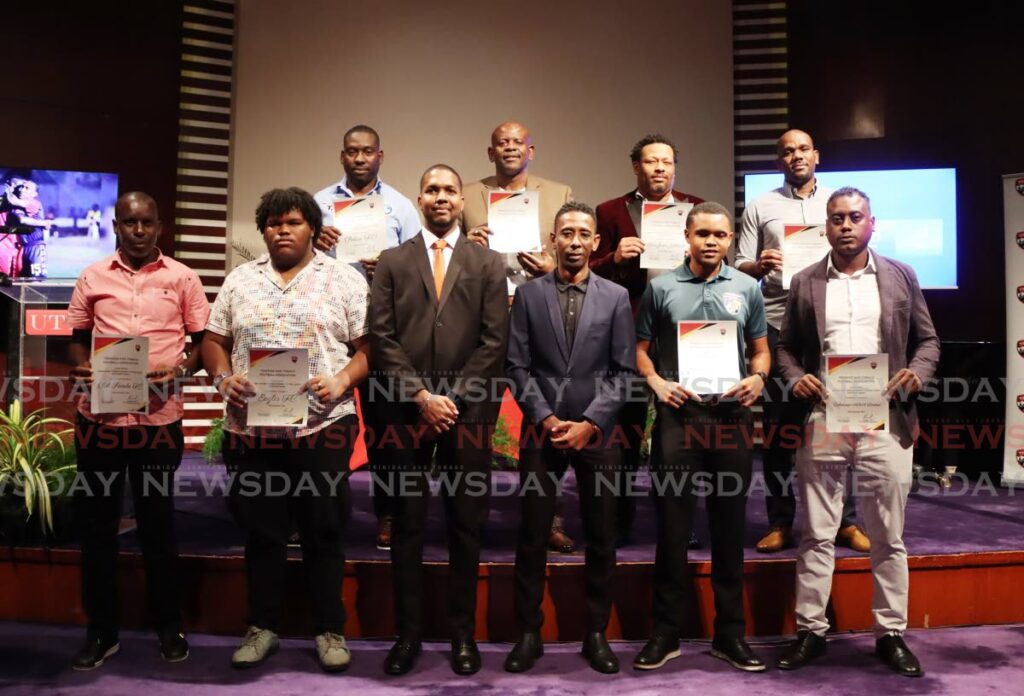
point(135, 292)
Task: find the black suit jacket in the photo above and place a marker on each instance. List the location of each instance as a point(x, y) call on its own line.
point(454, 345)
point(591, 380)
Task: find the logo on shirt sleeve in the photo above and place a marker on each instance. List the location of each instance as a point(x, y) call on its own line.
point(733, 302)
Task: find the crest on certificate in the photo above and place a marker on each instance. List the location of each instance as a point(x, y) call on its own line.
point(1020, 348)
point(733, 302)
point(1020, 401)
point(1020, 239)
point(1020, 457)
point(1019, 185)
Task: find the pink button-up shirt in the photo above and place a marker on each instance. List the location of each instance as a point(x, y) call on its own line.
point(162, 301)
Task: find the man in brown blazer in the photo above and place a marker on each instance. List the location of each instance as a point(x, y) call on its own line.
point(855, 302)
point(511, 151)
point(438, 329)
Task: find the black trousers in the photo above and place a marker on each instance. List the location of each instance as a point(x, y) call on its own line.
point(703, 451)
point(148, 456)
point(375, 425)
point(632, 420)
point(462, 459)
point(783, 426)
point(276, 482)
point(598, 479)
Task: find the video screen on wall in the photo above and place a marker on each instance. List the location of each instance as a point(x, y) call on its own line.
point(54, 223)
point(915, 215)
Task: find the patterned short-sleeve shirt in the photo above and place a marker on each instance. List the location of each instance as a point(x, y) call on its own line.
point(322, 309)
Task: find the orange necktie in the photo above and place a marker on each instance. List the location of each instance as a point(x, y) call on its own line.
point(439, 247)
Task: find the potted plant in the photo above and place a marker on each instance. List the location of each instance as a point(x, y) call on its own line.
point(36, 465)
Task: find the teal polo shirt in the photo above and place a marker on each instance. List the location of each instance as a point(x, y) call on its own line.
point(682, 296)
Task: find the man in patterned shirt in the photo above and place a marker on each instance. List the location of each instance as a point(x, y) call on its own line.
point(291, 297)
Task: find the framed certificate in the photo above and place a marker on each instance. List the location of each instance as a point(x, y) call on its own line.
point(279, 375)
point(663, 231)
point(363, 227)
point(708, 356)
point(119, 366)
point(514, 221)
point(802, 246)
point(856, 393)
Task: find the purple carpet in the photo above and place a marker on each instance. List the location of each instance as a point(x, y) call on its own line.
point(34, 660)
point(967, 518)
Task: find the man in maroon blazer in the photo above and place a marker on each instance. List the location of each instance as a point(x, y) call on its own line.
point(617, 258)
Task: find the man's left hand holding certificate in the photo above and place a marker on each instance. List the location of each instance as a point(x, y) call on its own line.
point(119, 366)
point(279, 376)
point(363, 226)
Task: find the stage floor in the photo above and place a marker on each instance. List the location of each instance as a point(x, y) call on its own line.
point(34, 659)
point(968, 518)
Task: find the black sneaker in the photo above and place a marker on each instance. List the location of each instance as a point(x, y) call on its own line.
point(173, 646)
point(94, 652)
point(657, 651)
point(737, 653)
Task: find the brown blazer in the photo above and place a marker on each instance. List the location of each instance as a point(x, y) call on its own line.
point(453, 346)
point(908, 335)
point(552, 196)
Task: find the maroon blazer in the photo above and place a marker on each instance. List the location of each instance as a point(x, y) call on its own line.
point(616, 219)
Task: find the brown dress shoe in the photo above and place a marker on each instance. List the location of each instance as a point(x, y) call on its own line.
point(775, 540)
point(852, 537)
point(560, 542)
point(384, 533)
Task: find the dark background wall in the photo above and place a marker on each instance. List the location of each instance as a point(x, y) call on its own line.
point(94, 87)
point(939, 88)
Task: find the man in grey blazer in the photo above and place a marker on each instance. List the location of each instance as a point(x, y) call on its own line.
point(572, 348)
point(438, 328)
point(855, 302)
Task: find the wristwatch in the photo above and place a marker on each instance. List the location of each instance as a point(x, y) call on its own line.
point(219, 378)
point(764, 377)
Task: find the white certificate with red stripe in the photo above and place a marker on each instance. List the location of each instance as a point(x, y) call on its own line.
point(279, 375)
point(709, 361)
point(363, 227)
point(663, 231)
point(119, 366)
point(514, 221)
point(802, 246)
point(856, 393)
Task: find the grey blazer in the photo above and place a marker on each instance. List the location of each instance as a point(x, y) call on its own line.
point(908, 335)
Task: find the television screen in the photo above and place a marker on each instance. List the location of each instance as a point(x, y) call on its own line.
point(915, 215)
point(54, 223)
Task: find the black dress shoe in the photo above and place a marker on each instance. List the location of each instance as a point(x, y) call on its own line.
point(402, 656)
point(658, 651)
point(805, 648)
point(524, 653)
point(737, 653)
point(173, 646)
point(465, 656)
point(599, 653)
point(94, 652)
point(895, 653)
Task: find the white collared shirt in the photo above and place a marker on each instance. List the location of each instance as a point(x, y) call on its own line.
point(852, 311)
point(450, 239)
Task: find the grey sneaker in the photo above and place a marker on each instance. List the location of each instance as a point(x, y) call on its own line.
point(332, 652)
point(257, 645)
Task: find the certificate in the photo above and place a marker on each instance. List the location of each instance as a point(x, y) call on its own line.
point(363, 227)
point(278, 375)
point(119, 366)
point(709, 361)
point(663, 231)
point(856, 401)
point(802, 246)
point(514, 221)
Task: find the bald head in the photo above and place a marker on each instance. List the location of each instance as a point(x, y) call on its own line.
point(511, 150)
point(796, 157)
point(125, 200)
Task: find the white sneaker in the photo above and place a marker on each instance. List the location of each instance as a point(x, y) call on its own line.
point(257, 645)
point(332, 652)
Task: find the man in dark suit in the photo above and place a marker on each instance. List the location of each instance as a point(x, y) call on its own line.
point(617, 258)
point(571, 349)
point(855, 302)
point(438, 326)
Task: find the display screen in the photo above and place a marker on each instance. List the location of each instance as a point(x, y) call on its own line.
point(915, 215)
point(54, 223)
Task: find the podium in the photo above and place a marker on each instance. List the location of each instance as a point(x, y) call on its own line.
point(36, 340)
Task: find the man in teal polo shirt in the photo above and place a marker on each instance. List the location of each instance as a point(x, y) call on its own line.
point(701, 435)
